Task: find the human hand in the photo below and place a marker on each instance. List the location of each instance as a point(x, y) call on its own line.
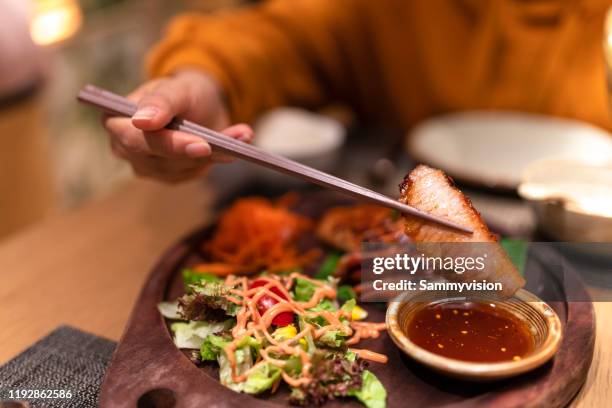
point(172, 155)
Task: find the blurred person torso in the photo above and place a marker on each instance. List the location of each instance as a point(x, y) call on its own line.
point(399, 61)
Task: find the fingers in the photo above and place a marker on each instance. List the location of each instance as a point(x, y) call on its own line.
point(162, 143)
point(160, 103)
point(166, 142)
point(172, 143)
point(164, 169)
point(241, 132)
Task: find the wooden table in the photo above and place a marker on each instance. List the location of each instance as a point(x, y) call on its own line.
point(86, 268)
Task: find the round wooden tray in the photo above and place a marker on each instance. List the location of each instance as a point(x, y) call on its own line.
point(147, 370)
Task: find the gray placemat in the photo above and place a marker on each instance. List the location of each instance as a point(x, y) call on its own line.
point(66, 359)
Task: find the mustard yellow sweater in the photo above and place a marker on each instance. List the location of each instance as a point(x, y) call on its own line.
point(398, 61)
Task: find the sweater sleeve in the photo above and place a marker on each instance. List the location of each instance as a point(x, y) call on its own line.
point(280, 52)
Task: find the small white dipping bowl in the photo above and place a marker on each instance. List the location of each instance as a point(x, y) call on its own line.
point(300, 135)
point(572, 199)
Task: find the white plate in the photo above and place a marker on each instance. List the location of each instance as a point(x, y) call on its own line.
point(492, 149)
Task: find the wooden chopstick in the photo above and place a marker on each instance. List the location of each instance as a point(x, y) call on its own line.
point(118, 105)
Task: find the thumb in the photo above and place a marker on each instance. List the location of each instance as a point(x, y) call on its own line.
point(157, 108)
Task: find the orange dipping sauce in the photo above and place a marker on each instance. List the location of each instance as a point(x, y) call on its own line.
point(470, 331)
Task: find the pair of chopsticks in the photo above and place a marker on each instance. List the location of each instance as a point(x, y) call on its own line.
point(120, 106)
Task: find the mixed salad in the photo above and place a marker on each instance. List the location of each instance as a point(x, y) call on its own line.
point(278, 328)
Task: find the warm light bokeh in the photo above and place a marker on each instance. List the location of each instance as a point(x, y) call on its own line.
point(54, 20)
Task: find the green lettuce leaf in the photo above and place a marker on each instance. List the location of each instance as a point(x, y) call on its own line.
point(249, 341)
point(517, 251)
point(332, 338)
point(303, 290)
point(328, 267)
point(350, 356)
point(191, 335)
point(212, 347)
point(244, 361)
point(348, 306)
point(262, 378)
point(372, 393)
point(245, 353)
point(191, 277)
point(345, 293)
point(309, 340)
point(293, 366)
point(325, 304)
point(170, 310)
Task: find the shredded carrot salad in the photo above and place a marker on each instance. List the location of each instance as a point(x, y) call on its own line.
point(256, 234)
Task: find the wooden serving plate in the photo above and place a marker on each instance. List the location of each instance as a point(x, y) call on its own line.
point(147, 370)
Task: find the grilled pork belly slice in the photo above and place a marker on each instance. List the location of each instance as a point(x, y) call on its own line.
point(432, 191)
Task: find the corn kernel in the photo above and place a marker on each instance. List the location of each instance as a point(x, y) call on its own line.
point(285, 333)
point(358, 313)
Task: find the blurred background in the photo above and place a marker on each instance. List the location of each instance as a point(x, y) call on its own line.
point(54, 153)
